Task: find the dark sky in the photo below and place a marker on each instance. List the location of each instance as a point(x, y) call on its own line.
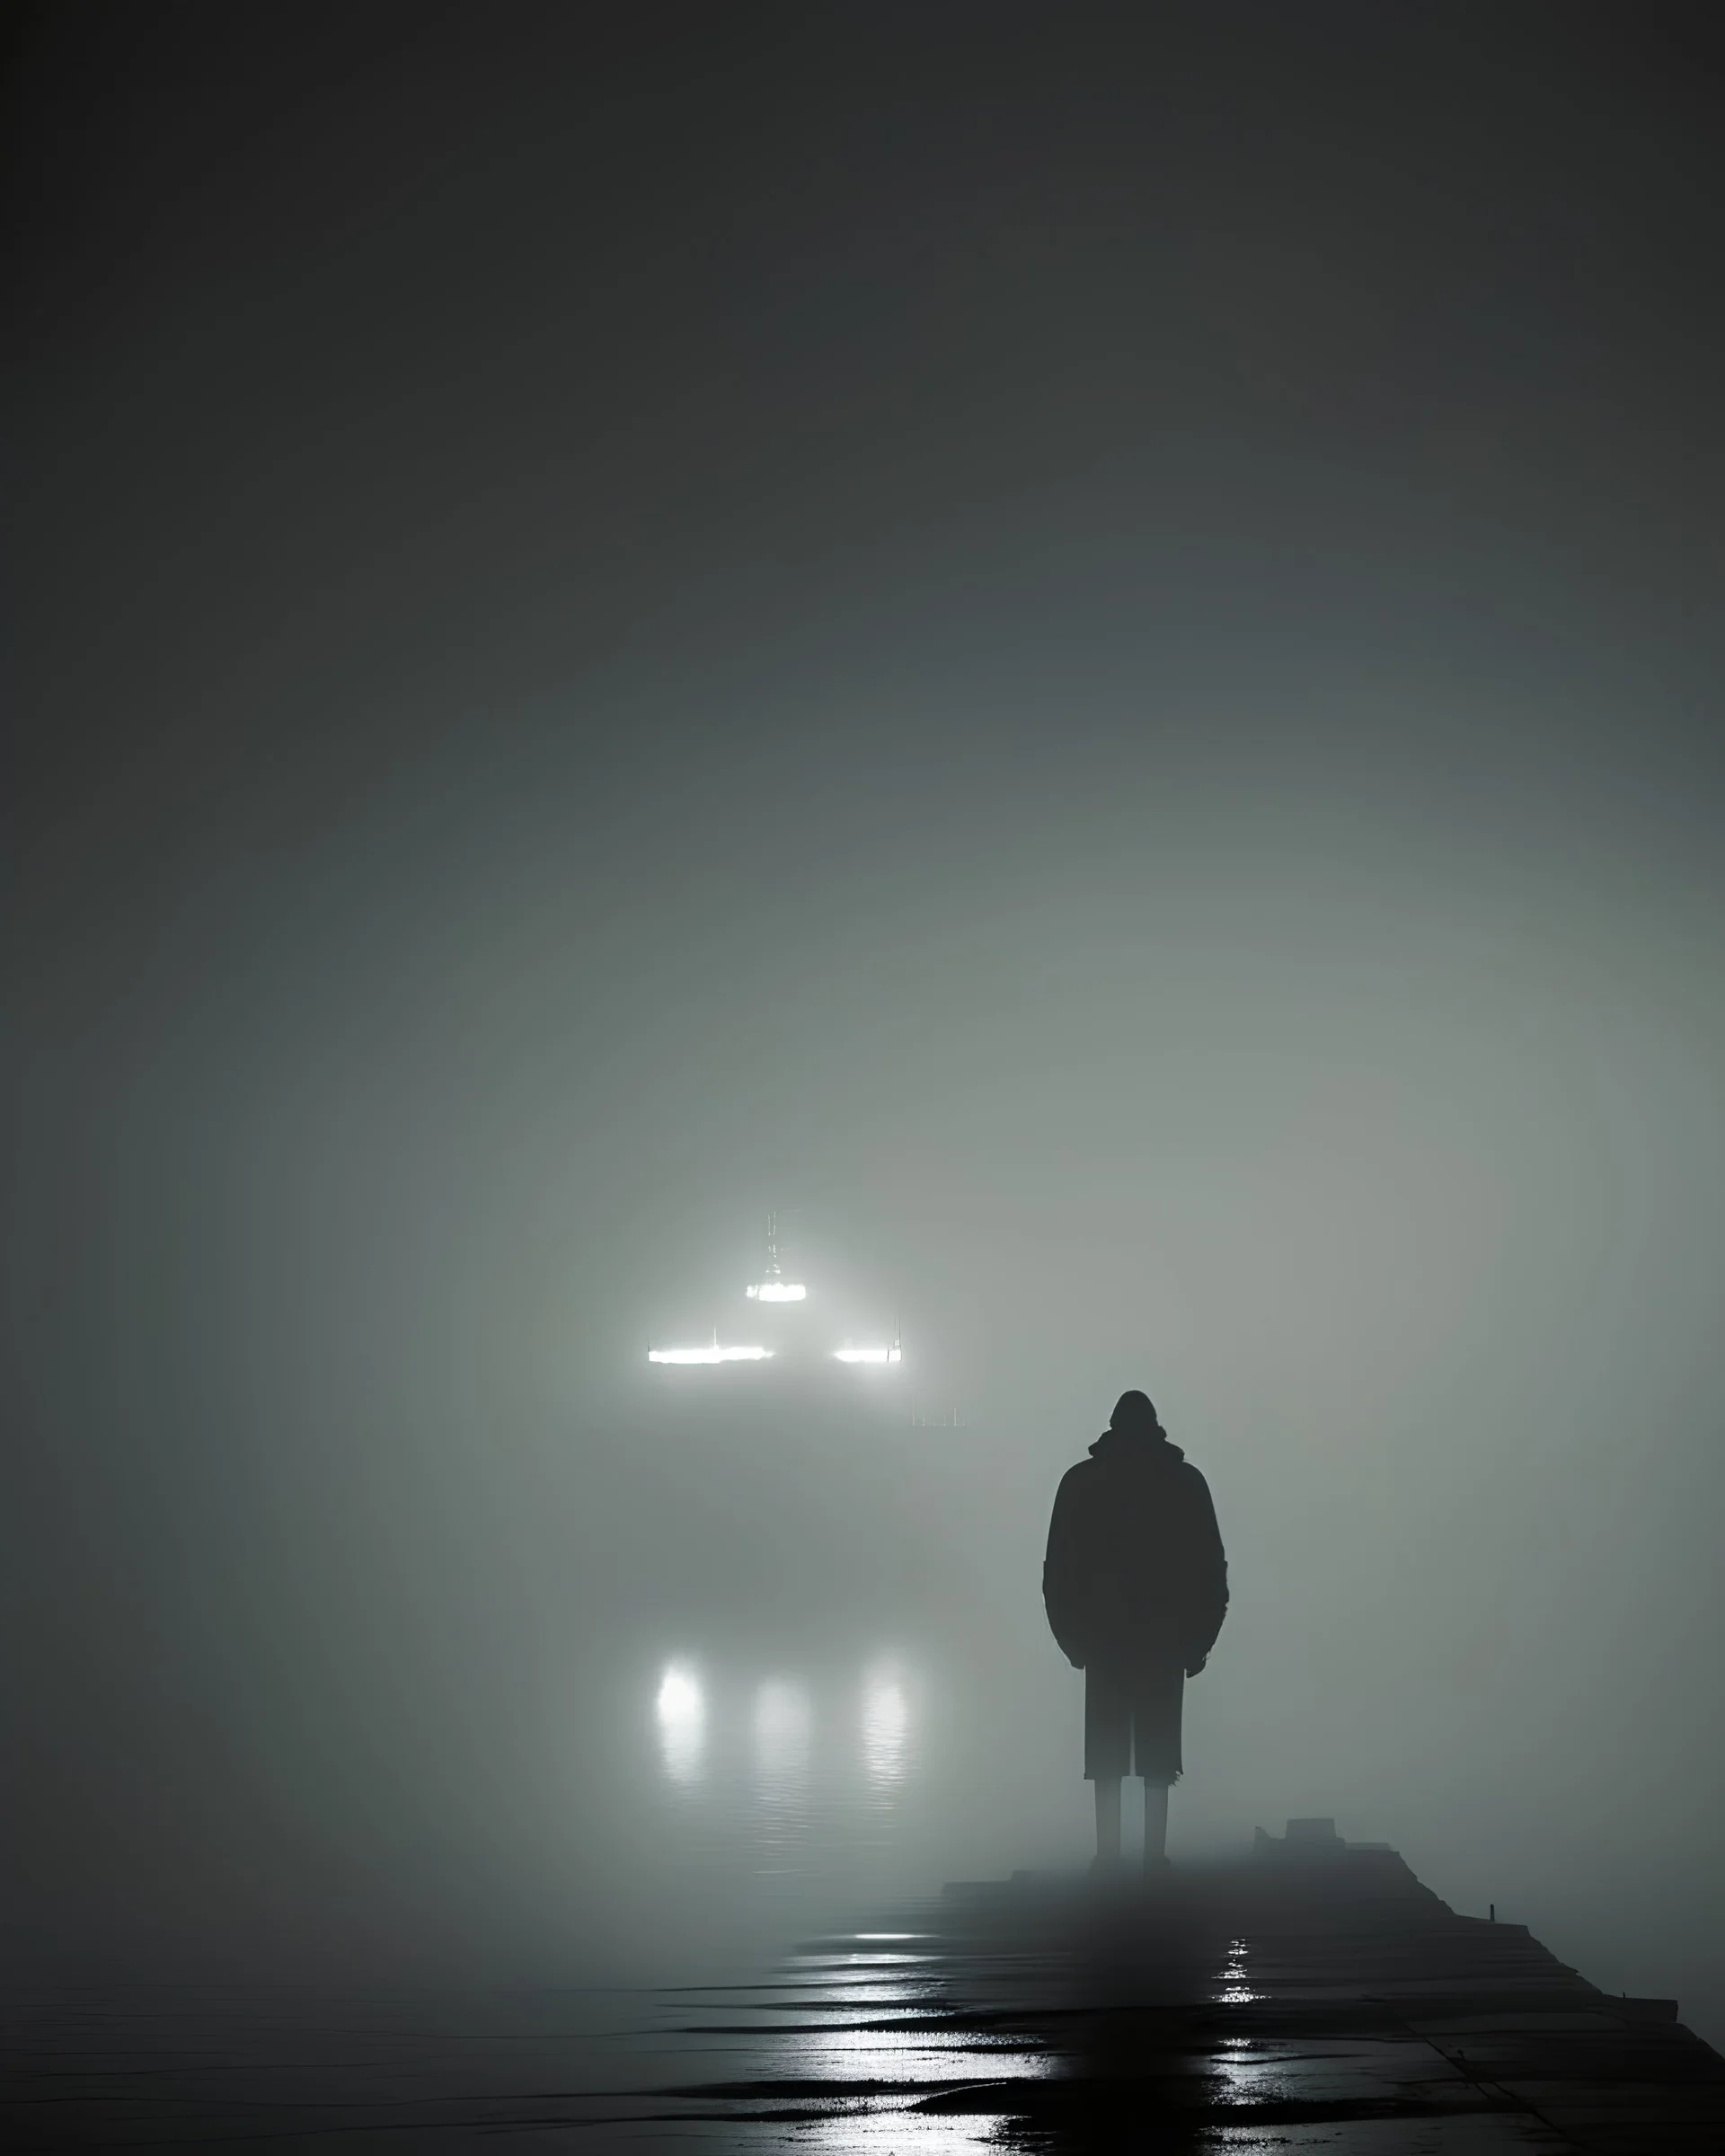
point(1084, 643)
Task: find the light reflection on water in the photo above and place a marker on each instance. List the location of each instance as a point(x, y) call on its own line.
point(1236, 1988)
point(682, 1710)
point(896, 2130)
point(781, 1734)
point(885, 1727)
point(1249, 2073)
point(790, 1774)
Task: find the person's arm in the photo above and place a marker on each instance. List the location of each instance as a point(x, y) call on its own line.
point(1062, 1574)
point(1210, 1578)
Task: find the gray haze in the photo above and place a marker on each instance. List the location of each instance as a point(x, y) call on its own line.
point(1083, 648)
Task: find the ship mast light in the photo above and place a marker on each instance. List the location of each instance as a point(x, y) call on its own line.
point(773, 1286)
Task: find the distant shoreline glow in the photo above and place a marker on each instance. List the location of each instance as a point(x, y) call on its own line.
point(715, 1353)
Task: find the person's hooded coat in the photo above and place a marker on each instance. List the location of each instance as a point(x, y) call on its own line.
point(1135, 1568)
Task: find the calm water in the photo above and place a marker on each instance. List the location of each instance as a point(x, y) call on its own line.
point(736, 1801)
point(810, 1674)
point(766, 1798)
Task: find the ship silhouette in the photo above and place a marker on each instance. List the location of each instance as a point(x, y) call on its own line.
point(785, 1325)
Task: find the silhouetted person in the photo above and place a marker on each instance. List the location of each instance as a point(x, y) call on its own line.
point(1136, 1585)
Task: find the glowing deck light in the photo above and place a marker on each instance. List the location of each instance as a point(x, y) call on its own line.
point(713, 1354)
point(894, 1354)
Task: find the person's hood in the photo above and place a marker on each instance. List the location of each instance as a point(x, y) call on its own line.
point(1137, 1448)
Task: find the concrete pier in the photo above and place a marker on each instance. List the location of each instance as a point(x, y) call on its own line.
point(1316, 1997)
point(1311, 1996)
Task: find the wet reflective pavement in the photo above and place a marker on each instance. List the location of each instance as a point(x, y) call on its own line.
point(1283, 2003)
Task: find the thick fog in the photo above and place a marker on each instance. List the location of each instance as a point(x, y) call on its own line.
point(1080, 649)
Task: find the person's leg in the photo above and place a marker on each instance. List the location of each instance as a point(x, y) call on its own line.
point(1108, 1754)
point(1159, 1682)
point(1108, 1818)
point(1155, 1825)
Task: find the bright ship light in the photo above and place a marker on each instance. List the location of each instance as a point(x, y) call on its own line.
point(894, 1354)
point(715, 1353)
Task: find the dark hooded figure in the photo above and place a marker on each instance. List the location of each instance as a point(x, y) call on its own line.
point(1136, 1585)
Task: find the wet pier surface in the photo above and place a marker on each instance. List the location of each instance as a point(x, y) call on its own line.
point(1326, 2001)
